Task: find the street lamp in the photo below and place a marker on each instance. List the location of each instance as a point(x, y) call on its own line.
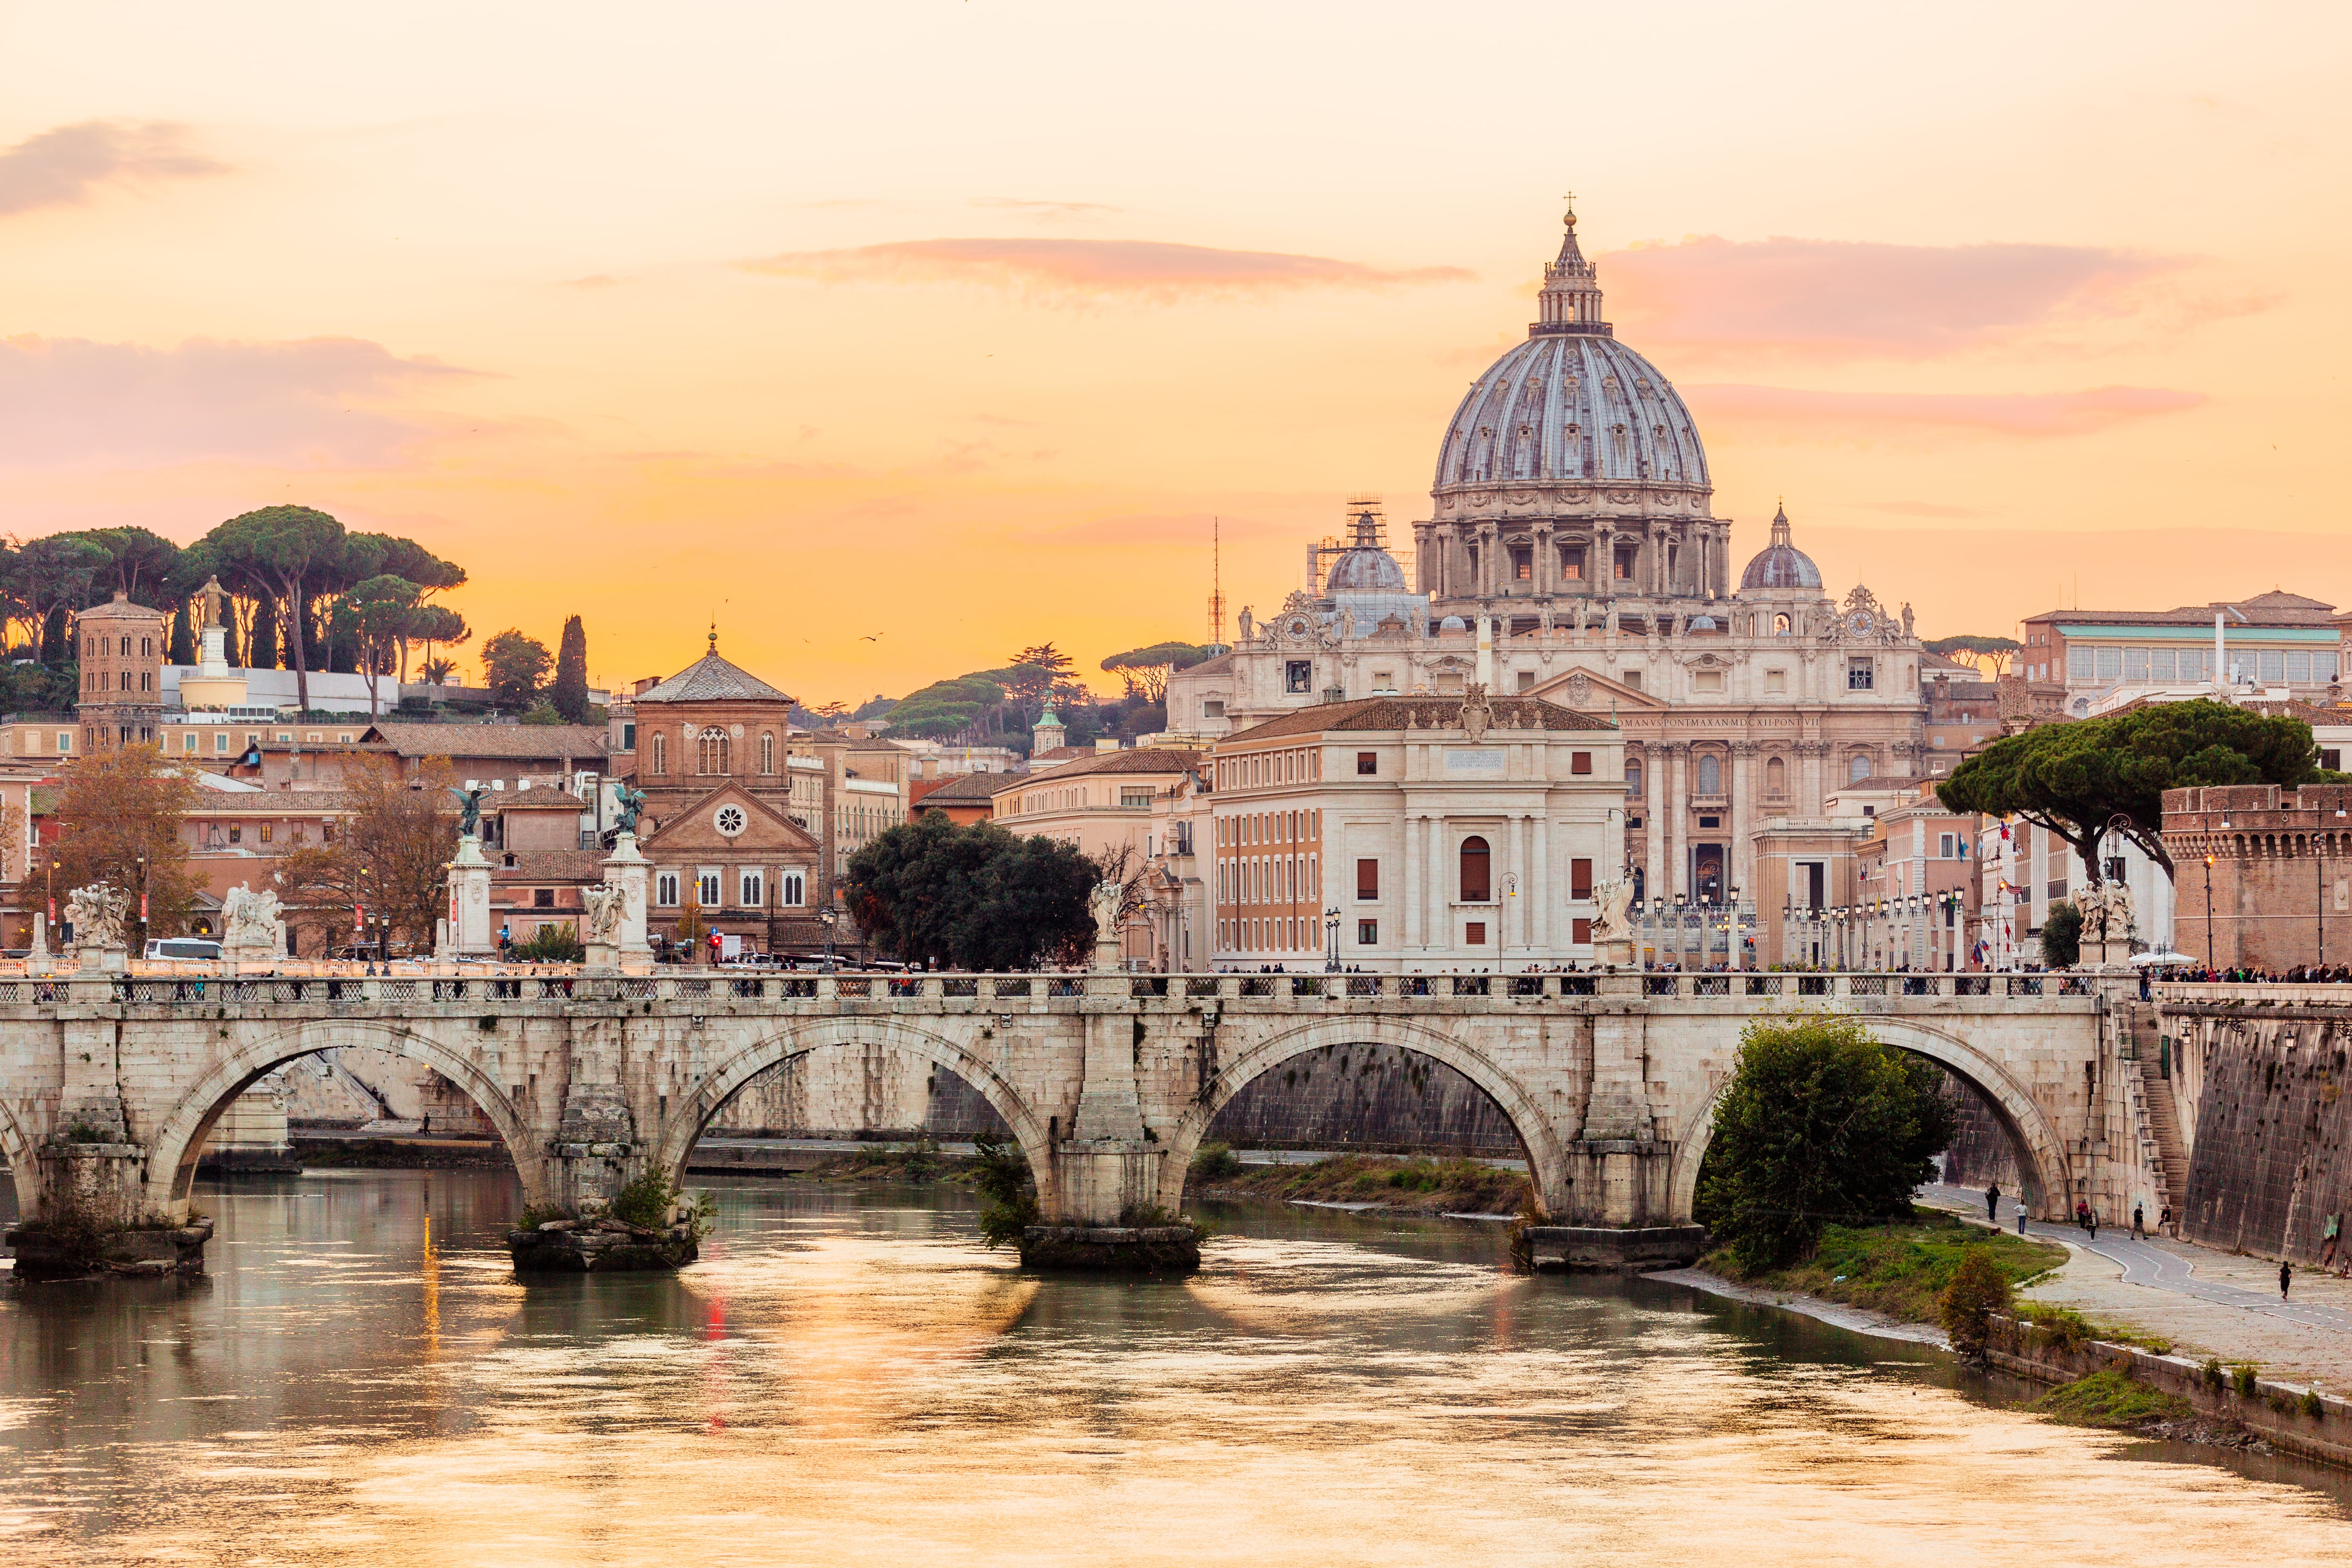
point(1331, 939)
point(143, 903)
point(1731, 928)
point(2208, 912)
point(825, 918)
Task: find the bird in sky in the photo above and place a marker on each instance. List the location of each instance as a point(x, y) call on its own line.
point(874, 637)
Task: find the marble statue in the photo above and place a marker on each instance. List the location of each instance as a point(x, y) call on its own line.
point(1615, 898)
point(98, 912)
point(606, 904)
point(249, 919)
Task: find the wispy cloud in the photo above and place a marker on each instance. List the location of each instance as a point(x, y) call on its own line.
point(66, 167)
point(1850, 416)
point(1848, 298)
point(1149, 269)
point(315, 402)
point(1050, 212)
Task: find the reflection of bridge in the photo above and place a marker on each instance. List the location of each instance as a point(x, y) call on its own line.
point(109, 1087)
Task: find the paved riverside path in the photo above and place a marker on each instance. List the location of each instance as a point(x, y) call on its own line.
point(2201, 1298)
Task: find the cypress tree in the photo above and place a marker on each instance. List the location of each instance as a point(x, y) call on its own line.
point(53, 637)
point(263, 653)
point(184, 633)
point(570, 692)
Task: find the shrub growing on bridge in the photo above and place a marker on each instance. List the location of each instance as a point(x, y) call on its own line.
point(1001, 1174)
point(1820, 1124)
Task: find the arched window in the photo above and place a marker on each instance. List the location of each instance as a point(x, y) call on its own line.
point(1475, 884)
point(1781, 625)
point(1710, 774)
point(767, 752)
point(1776, 777)
point(126, 648)
point(711, 752)
point(661, 753)
point(1633, 775)
point(1857, 767)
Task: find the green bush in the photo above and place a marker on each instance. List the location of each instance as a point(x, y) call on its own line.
point(552, 944)
point(2061, 937)
point(1819, 1125)
point(2243, 1380)
point(652, 1198)
point(1001, 1174)
point(2312, 1406)
point(1215, 1162)
point(1978, 1291)
point(2111, 1398)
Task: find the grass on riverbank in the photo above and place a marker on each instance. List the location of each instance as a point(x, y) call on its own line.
point(2112, 1398)
point(400, 1154)
point(1899, 1269)
point(1411, 1184)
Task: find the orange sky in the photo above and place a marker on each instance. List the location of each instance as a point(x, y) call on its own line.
point(955, 323)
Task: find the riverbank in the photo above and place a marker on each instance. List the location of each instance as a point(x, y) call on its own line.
point(1899, 1271)
point(1411, 1184)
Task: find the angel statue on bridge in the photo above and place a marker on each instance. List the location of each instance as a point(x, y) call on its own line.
point(1615, 898)
point(469, 812)
point(628, 802)
point(98, 912)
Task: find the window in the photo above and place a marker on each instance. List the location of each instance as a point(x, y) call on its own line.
point(1947, 846)
point(1579, 763)
point(188, 742)
point(1298, 676)
point(1368, 879)
point(790, 889)
point(2134, 664)
point(1632, 678)
point(1473, 934)
point(1476, 887)
point(236, 836)
point(706, 889)
point(1212, 706)
point(1583, 932)
point(1133, 798)
point(2081, 663)
point(268, 832)
point(1776, 777)
point(2273, 665)
point(767, 752)
point(629, 736)
point(1368, 933)
point(1706, 680)
point(2332, 761)
point(710, 751)
point(1632, 776)
point(543, 898)
point(1523, 565)
point(1571, 564)
point(1579, 879)
point(1861, 675)
point(1776, 680)
point(754, 890)
point(1857, 767)
point(2111, 663)
point(661, 753)
point(1367, 762)
point(126, 648)
point(1710, 774)
point(666, 890)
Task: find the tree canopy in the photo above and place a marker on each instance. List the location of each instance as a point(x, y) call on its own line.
point(516, 667)
point(570, 692)
point(1986, 653)
point(1819, 1125)
point(2074, 778)
point(974, 897)
point(1146, 670)
point(389, 858)
point(117, 805)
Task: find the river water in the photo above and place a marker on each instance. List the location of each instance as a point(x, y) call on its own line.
point(849, 1378)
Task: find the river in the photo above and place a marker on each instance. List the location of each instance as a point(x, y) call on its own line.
point(849, 1378)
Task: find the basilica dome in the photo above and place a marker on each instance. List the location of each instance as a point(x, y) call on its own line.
point(1571, 404)
point(1781, 564)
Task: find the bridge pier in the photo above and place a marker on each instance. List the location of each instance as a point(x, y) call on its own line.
point(1107, 1216)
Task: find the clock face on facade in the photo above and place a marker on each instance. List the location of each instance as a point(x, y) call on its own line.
point(1859, 622)
point(730, 820)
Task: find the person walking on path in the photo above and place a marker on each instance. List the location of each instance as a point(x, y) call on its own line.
point(2021, 1217)
point(2164, 1222)
point(2286, 1277)
point(1993, 1205)
point(2139, 1230)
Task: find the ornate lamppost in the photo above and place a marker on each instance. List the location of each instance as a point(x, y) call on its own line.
point(825, 918)
point(1331, 939)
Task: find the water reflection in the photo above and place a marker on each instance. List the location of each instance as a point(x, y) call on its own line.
point(849, 1378)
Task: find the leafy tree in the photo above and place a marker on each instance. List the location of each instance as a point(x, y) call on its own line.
point(1820, 1124)
point(552, 943)
point(970, 898)
point(388, 858)
point(569, 694)
point(375, 614)
point(542, 712)
point(436, 626)
point(1033, 672)
point(284, 548)
point(262, 641)
point(1146, 670)
point(947, 707)
point(2074, 778)
point(2061, 937)
point(1987, 654)
point(515, 667)
point(438, 671)
point(117, 806)
point(183, 634)
point(1001, 1177)
point(1977, 1290)
point(49, 578)
point(141, 565)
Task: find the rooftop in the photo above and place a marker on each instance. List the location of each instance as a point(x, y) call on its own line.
point(2275, 609)
point(519, 741)
point(711, 678)
point(1378, 714)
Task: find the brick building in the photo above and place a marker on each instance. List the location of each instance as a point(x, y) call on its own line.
point(2263, 874)
point(121, 652)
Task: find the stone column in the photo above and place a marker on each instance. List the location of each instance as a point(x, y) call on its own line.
point(1424, 570)
point(1487, 575)
point(1410, 888)
point(1440, 898)
point(1545, 573)
point(469, 903)
point(1677, 799)
point(1105, 1164)
point(1742, 783)
point(1514, 923)
point(1653, 818)
point(1600, 559)
point(1544, 888)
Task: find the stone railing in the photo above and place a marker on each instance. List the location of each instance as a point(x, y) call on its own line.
point(722, 988)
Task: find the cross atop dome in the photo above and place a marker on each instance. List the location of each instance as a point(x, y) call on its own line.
point(1570, 299)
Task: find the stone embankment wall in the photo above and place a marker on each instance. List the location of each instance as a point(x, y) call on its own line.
point(2264, 1087)
point(1983, 1150)
point(2277, 1412)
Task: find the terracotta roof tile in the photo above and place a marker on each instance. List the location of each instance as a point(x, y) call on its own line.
point(968, 789)
point(521, 743)
point(711, 678)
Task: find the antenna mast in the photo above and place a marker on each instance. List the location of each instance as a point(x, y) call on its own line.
point(1216, 585)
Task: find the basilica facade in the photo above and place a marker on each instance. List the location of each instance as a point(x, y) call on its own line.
point(1572, 556)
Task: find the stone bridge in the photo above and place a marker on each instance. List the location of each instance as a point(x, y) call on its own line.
point(109, 1086)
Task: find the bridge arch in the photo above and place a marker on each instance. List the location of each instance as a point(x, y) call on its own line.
point(2040, 1149)
point(180, 1139)
point(1548, 1163)
point(685, 1124)
point(24, 1170)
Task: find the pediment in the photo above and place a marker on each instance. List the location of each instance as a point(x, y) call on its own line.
point(700, 828)
point(1590, 691)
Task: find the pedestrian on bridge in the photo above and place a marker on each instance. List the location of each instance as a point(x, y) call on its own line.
point(1993, 1205)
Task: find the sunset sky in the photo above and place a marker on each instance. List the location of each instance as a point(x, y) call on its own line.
point(956, 324)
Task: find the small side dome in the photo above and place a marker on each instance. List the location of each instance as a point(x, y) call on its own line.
point(1781, 564)
point(1702, 623)
point(1454, 623)
point(1365, 571)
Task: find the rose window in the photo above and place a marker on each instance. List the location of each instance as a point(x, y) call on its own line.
point(730, 820)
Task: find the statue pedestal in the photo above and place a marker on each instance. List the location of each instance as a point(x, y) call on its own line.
point(91, 958)
point(1616, 950)
point(468, 927)
point(627, 872)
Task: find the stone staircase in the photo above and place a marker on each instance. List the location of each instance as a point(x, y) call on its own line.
point(2163, 1149)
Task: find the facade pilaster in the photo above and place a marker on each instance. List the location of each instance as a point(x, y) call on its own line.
point(1653, 818)
point(1545, 566)
point(1415, 923)
point(1440, 894)
point(1514, 932)
point(1545, 887)
point(1742, 784)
